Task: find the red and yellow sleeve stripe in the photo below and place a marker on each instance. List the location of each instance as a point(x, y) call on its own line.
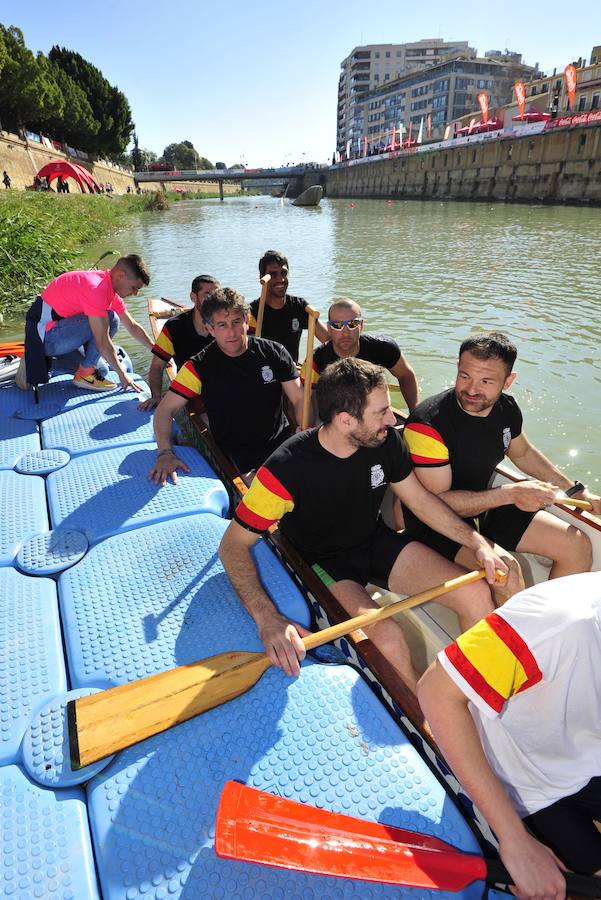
point(163, 346)
point(426, 446)
point(494, 660)
point(314, 373)
point(252, 324)
point(265, 503)
point(186, 383)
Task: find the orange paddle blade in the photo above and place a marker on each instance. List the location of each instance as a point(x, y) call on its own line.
point(12, 348)
point(258, 827)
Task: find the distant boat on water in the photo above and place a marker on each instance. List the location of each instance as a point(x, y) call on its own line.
point(310, 197)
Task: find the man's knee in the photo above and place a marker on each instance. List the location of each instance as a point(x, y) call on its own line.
point(514, 582)
point(113, 322)
point(577, 550)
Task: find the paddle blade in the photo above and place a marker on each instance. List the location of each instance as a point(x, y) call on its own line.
point(124, 715)
point(258, 827)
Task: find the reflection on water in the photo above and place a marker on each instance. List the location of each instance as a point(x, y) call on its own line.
point(426, 272)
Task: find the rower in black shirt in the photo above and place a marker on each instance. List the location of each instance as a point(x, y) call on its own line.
point(242, 381)
point(284, 316)
point(345, 338)
point(181, 337)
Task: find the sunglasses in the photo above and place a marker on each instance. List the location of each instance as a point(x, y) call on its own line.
point(338, 325)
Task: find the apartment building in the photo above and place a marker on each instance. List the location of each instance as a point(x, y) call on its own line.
point(549, 92)
point(444, 91)
point(372, 66)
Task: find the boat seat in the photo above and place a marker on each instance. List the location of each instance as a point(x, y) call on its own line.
point(22, 512)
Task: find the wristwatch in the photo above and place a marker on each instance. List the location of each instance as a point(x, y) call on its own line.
point(575, 489)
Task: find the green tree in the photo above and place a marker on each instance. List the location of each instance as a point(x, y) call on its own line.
point(109, 106)
point(28, 91)
point(184, 156)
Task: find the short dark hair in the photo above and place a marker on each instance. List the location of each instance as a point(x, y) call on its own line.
point(271, 256)
point(345, 386)
point(491, 345)
point(135, 266)
point(223, 298)
point(202, 279)
point(345, 303)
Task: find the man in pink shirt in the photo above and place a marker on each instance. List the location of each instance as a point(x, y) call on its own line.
point(83, 309)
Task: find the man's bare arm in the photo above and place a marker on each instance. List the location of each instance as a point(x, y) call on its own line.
point(321, 332)
point(155, 382)
point(534, 868)
point(167, 462)
point(439, 516)
point(294, 392)
point(405, 376)
point(99, 326)
point(279, 636)
point(135, 329)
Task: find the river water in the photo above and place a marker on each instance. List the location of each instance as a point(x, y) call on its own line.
point(428, 273)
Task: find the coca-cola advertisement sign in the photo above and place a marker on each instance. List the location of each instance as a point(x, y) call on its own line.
point(590, 118)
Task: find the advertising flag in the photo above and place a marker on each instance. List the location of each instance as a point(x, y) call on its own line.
point(447, 132)
point(483, 101)
point(410, 130)
point(420, 133)
point(365, 146)
point(471, 128)
point(520, 96)
point(392, 145)
point(429, 126)
point(570, 74)
point(401, 133)
point(348, 149)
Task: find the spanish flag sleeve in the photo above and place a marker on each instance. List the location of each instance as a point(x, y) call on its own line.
point(163, 346)
point(314, 373)
point(426, 445)
point(187, 382)
point(490, 663)
point(265, 503)
point(252, 324)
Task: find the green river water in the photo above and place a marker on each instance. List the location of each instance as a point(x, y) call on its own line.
point(428, 273)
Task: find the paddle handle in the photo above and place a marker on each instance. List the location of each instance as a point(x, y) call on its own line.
point(582, 885)
point(377, 615)
point(577, 504)
point(313, 317)
point(265, 279)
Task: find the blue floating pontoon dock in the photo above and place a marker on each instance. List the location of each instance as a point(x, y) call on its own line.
point(106, 578)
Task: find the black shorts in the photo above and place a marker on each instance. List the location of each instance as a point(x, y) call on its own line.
point(504, 525)
point(567, 827)
point(370, 562)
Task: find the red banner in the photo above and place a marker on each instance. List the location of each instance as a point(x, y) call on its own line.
point(570, 74)
point(429, 126)
point(520, 96)
point(483, 101)
point(590, 118)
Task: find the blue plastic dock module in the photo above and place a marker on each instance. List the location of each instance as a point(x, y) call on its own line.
point(32, 668)
point(59, 394)
point(41, 462)
point(323, 739)
point(112, 421)
point(22, 512)
point(16, 438)
point(158, 597)
point(44, 841)
point(102, 494)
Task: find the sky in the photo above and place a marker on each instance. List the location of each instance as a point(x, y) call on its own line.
point(257, 82)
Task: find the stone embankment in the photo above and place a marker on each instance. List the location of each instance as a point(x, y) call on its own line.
point(556, 166)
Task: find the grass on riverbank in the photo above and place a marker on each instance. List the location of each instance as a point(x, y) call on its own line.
point(44, 234)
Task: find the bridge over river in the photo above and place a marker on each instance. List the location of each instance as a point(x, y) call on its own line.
point(298, 178)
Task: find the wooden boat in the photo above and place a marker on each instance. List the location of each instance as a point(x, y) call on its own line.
point(106, 578)
point(427, 628)
point(10, 356)
point(311, 197)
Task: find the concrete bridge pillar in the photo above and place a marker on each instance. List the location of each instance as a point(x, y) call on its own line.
point(221, 191)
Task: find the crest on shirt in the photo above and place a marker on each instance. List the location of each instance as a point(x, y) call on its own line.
point(506, 438)
point(377, 476)
point(295, 324)
point(267, 374)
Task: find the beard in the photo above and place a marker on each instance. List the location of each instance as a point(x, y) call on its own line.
point(363, 437)
point(476, 404)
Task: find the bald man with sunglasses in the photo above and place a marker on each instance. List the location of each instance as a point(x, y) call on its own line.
point(345, 327)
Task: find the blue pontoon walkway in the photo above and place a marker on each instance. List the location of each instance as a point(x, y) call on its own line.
point(105, 578)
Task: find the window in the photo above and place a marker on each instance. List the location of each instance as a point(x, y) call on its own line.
point(582, 103)
point(533, 91)
point(544, 88)
point(595, 101)
point(558, 84)
point(377, 54)
point(398, 53)
point(387, 77)
point(388, 54)
point(376, 77)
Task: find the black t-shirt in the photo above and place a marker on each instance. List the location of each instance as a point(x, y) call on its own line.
point(439, 432)
point(375, 348)
point(242, 395)
point(178, 339)
point(327, 505)
point(283, 325)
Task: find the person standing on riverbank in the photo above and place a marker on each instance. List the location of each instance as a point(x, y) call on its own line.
point(284, 316)
point(180, 338)
point(6, 181)
point(345, 339)
point(84, 309)
point(456, 439)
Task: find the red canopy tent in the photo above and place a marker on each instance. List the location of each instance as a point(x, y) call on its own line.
point(62, 169)
point(533, 115)
point(481, 127)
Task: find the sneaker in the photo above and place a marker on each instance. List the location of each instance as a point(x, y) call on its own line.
point(21, 376)
point(93, 382)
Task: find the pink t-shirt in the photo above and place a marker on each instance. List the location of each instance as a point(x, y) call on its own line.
point(90, 293)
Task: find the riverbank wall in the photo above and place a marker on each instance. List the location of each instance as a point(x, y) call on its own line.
point(562, 165)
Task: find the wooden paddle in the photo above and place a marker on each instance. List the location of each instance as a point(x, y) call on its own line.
point(265, 279)
point(571, 501)
point(313, 317)
point(111, 720)
point(258, 827)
